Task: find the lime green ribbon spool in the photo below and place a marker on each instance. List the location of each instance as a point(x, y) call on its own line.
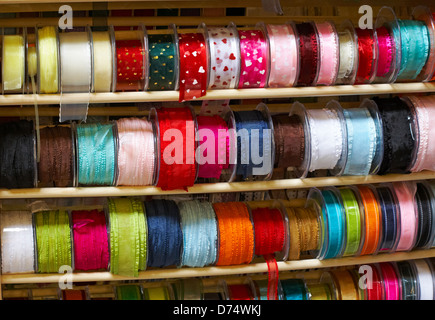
point(128, 236)
point(156, 293)
point(53, 238)
point(353, 221)
point(129, 292)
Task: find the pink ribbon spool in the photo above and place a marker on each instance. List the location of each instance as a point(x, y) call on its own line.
point(254, 59)
point(216, 129)
point(405, 193)
point(329, 53)
point(390, 280)
point(284, 56)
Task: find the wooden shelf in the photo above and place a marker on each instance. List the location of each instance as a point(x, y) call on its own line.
point(255, 268)
point(263, 93)
point(221, 187)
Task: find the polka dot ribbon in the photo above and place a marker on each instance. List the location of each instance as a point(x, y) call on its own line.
point(254, 64)
point(130, 65)
point(193, 66)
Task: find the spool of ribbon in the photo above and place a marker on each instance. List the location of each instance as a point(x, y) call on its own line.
point(193, 66)
point(309, 53)
point(128, 236)
point(423, 111)
point(200, 234)
point(353, 221)
point(303, 230)
point(130, 65)
point(48, 73)
point(165, 236)
point(189, 289)
point(261, 289)
point(327, 138)
point(390, 280)
point(163, 63)
point(294, 235)
point(76, 73)
point(91, 245)
point(236, 233)
point(96, 154)
point(53, 240)
point(289, 139)
point(156, 293)
point(129, 292)
point(177, 167)
point(345, 286)
point(398, 135)
point(254, 144)
point(74, 294)
point(405, 194)
point(329, 53)
point(375, 287)
point(13, 63)
point(17, 242)
point(425, 279)
point(333, 221)
point(386, 51)
point(240, 292)
point(362, 141)
point(224, 57)
point(390, 218)
point(348, 57)
point(408, 280)
point(136, 165)
point(372, 220)
point(320, 291)
point(214, 148)
point(269, 238)
point(102, 61)
point(18, 158)
point(423, 201)
point(294, 289)
point(284, 55)
point(415, 47)
point(367, 64)
point(56, 165)
point(254, 59)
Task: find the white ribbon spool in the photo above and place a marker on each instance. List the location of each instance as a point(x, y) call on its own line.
point(17, 242)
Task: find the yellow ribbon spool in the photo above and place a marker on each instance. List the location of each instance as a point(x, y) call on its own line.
point(48, 60)
point(13, 62)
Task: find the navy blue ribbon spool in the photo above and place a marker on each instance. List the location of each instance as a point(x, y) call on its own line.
point(165, 238)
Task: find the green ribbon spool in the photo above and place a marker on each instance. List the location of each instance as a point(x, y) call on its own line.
point(53, 239)
point(128, 236)
point(162, 62)
point(156, 293)
point(129, 292)
point(353, 221)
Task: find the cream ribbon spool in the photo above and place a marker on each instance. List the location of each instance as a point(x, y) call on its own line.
point(76, 73)
point(13, 62)
point(17, 248)
point(103, 71)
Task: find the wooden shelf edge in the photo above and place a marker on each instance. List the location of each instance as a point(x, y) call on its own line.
point(245, 186)
point(263, 93)
point(218, 271)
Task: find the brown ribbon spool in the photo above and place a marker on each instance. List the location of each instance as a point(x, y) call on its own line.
point(289, 140)
point(55, 168)
point(304, 231)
